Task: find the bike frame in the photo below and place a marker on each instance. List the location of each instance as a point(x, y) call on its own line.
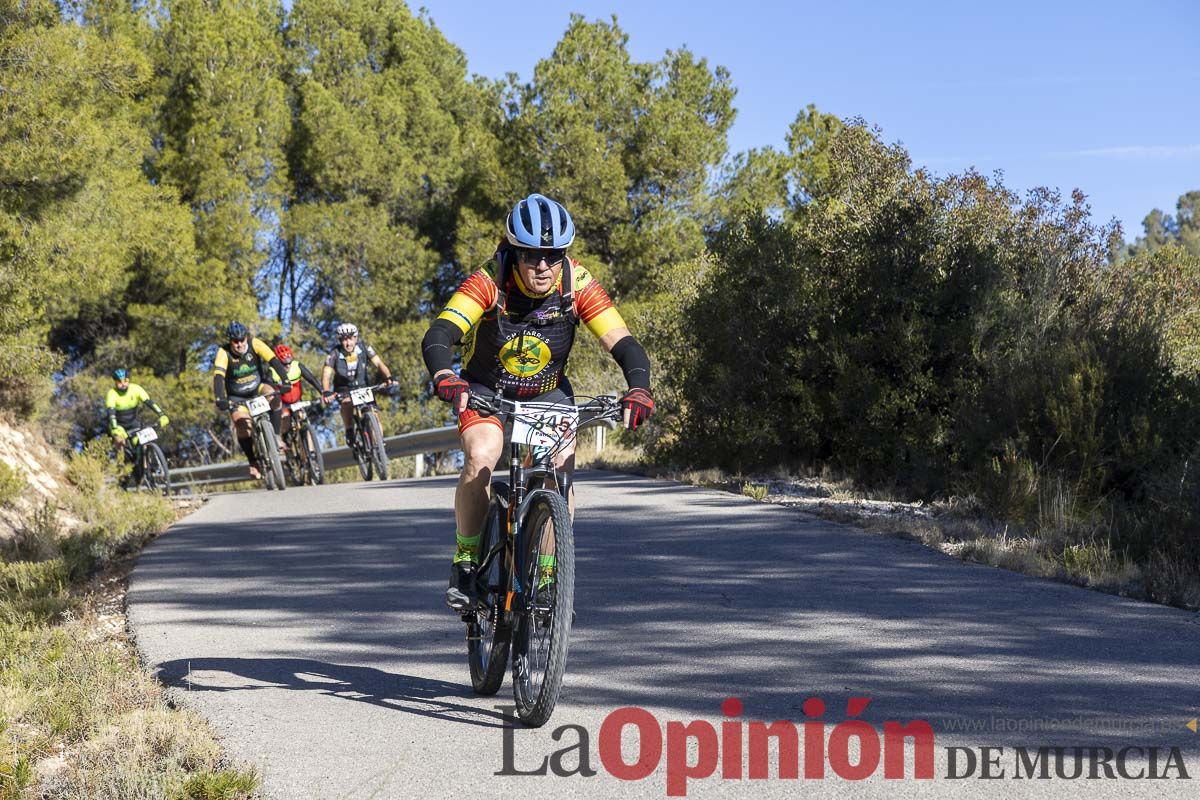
point(359, 412)
point(254, 423)
point(520, 495)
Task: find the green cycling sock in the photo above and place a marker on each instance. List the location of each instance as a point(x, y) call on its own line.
point(546, 568)
point(467, 548)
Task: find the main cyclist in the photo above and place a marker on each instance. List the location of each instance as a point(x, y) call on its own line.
point(518, 316)
point(241, 369)
point(123, 402)
point(346, 368)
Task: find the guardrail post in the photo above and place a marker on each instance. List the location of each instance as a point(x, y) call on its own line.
point(419, 462)
point(601, 434)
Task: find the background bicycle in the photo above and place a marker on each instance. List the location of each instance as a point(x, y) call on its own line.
point(150, 469)
point(303, 462)
point(266, 452)
point(370, 452)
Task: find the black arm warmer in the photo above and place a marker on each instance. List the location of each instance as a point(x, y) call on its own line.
point(634, 362)
point(279, 368)
point(306, 373)
point(219, 387)
point(436, 347)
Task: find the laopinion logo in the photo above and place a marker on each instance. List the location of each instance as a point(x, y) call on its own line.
point(633, 744)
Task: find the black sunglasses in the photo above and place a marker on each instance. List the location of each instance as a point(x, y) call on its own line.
point(534, 257)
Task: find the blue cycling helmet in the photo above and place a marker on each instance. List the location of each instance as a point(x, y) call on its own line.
point(539, 222)
point(236, 330)
point(120, 374)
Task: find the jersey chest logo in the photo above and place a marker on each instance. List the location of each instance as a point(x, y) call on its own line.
point(525, 356)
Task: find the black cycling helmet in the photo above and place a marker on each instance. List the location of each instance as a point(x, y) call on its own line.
point(541, 223)
point(236, 330)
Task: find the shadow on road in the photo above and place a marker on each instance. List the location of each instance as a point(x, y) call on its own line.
point(407, 693)
point(684, 598)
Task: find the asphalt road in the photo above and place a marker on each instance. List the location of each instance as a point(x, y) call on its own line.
point(309, 628)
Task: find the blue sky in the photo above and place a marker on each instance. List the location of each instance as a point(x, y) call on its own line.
point(1101, 96)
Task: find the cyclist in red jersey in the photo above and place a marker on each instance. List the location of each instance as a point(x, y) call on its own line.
point(290, 387)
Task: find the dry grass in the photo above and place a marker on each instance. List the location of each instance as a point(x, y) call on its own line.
point(79, 717)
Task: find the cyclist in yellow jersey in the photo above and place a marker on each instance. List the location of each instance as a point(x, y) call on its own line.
point(241, 370)
point(123, 402)
point(517, 319)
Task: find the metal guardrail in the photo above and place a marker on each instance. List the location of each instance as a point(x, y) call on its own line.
point(403, 444)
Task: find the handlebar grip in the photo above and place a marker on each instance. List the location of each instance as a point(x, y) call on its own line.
point(480, 403)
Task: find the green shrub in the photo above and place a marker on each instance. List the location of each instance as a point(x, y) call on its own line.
point(944, 337)
point(91, 469)
point(12, 483)
point(755, 491)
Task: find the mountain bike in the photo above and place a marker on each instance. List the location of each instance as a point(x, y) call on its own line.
point(149, 464)
point(525, 581)
point(367, 445)
point(266, 452)
point(304, 462)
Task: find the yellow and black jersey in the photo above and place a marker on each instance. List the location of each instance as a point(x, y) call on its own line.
point(525, 353)
point(243, 374)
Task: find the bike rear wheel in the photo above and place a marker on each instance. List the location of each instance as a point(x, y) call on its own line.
point(155, 474)
point(542, 629)
point(378, 449)
point(489, 628)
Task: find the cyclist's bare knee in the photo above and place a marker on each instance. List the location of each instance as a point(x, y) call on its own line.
point(482, 444)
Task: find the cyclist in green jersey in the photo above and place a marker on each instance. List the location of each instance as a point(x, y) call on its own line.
point(123, 402)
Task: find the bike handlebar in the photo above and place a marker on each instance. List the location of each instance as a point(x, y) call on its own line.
point(603, 407)
point(343, 394)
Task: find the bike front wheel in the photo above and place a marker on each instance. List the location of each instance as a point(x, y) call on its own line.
point(312, 456)
point(271, 461)
point(543, 625)
point(295, 463)
point(359, 446)
point(489, 627)
point(376, 447)
point(155, 474)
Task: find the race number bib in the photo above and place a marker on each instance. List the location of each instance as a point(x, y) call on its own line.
point(360, 397)
point(300, 406)
point(146, 435)
point(258, 406)
point(544, 424)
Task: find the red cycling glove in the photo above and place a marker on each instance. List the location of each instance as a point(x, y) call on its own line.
point(450, 388)
point(640, 406)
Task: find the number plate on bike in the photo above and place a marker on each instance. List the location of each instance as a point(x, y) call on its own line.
point(544, 424)
point(360, 397)
point(300, 406)
point(146, 435)
point(258, 405)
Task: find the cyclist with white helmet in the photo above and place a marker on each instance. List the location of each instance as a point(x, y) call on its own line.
point(346, 368)
point(517, 318)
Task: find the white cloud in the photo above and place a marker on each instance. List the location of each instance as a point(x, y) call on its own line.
point(1138, 151)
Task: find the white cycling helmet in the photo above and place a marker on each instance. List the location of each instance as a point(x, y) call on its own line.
point(346, 330)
